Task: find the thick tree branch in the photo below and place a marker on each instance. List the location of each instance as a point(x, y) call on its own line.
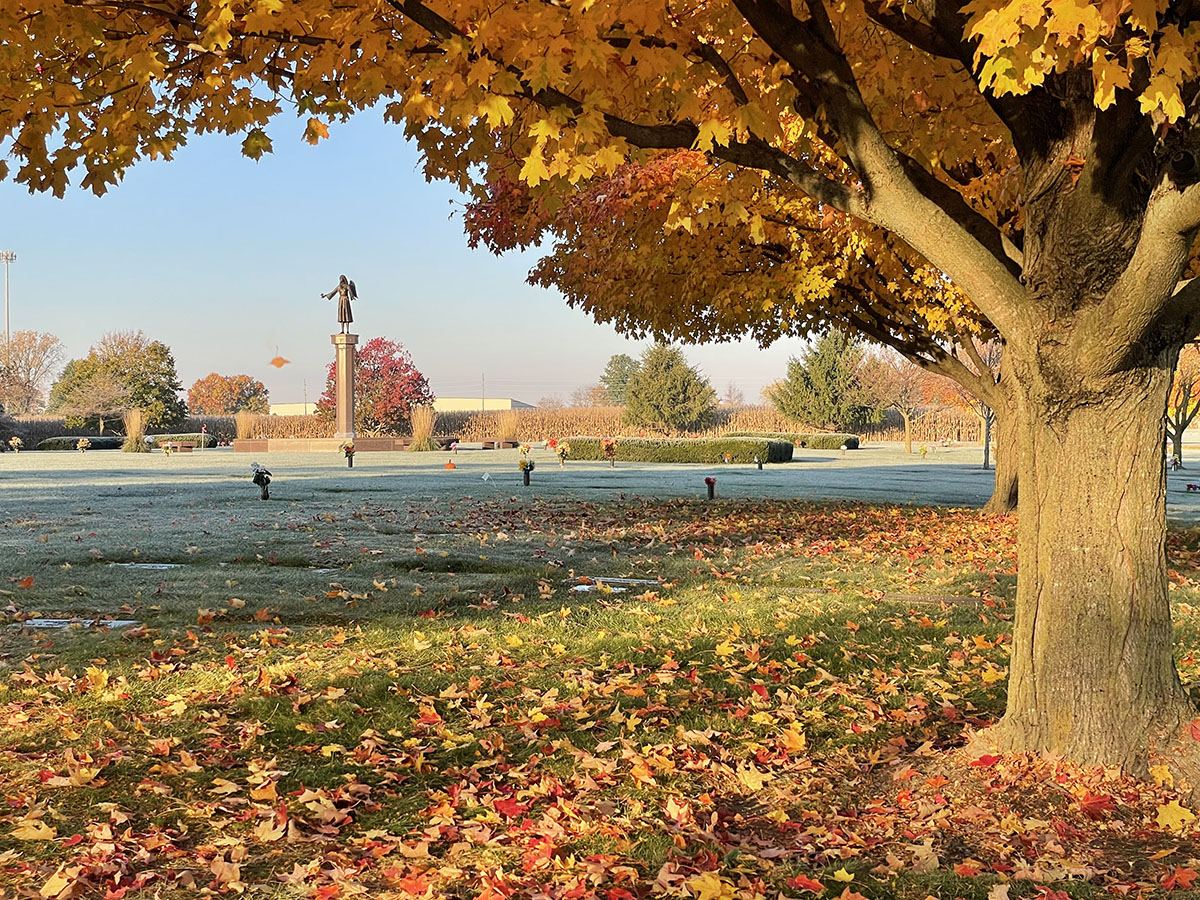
point(975, 224)
point(915, 32)
point(891, 198)
point(1147, 304)
point(710, 55)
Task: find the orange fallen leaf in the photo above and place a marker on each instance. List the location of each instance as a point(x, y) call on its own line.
point(1181, 877)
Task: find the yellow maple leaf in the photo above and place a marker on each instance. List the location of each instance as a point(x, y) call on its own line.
point(1108, 75)
point(1174, 816)
point(315, 130)
point(751, 777)
point(712, 133)
point(33, 830)
point(58, 883)
point(709, 886)
point(793, 740)
point(1162, 775)
point(842, 875)
point(496, 109)
point(1162, 93)
point(534, 172)
point(1143, 15)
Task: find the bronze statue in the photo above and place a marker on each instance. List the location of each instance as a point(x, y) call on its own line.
point(346, 292)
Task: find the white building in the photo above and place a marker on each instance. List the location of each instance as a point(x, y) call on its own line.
point(469, 404)
point(293, 409)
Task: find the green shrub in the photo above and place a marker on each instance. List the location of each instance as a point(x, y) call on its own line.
point(685, 450)
point(200, 440)
point(817, 441)
point(105, 442)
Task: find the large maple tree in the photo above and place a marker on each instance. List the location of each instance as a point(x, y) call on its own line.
point(909, 119)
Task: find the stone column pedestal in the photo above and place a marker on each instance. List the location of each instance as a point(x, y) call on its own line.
point(344, 375)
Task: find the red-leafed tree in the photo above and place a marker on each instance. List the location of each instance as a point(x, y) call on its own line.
point(223, 395)
point(386, 387)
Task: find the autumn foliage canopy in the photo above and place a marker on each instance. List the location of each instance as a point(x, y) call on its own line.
point(222, 395)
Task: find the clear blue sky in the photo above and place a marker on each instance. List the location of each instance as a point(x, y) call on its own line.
point(223, 259)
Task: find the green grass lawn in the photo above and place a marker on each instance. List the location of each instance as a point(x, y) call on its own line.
point(401, 693)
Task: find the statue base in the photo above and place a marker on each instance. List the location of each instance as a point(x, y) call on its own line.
point(343, 369)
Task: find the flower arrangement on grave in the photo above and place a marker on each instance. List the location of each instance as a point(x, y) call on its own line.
point(563, 450)
point(609, 446)
point(525, 448)
point(16, 443)
point(728, 458)
point(347, 448)
point(924, 451)
point(711, 483)
point(168, 448)
point(454, 448)
point(82, 444)
point(526, 466)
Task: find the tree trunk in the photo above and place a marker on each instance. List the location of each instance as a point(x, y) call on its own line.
point(1008, 464)
point(987, 436)
point(907, 431)
point(1092, 675)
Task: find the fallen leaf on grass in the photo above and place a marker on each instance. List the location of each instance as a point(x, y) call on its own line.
point(804, 883)
point(33, 830)
point(1181, 877)
point(1175, 817)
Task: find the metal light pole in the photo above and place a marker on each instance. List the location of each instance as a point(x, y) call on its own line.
point(6, 256)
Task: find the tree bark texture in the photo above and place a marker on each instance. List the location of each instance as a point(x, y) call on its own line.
point(907, 431)
point(1007, 464)
point(1092, 675)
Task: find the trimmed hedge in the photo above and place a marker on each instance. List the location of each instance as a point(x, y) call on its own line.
point(200, 440)
point(818, 441)
point(684, 450)
point(107, 442)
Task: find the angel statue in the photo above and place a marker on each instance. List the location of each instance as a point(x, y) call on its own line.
point(346, 292)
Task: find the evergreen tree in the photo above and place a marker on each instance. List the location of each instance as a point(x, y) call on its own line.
point(667, 394)
point(823, 389)
point(616, 377)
